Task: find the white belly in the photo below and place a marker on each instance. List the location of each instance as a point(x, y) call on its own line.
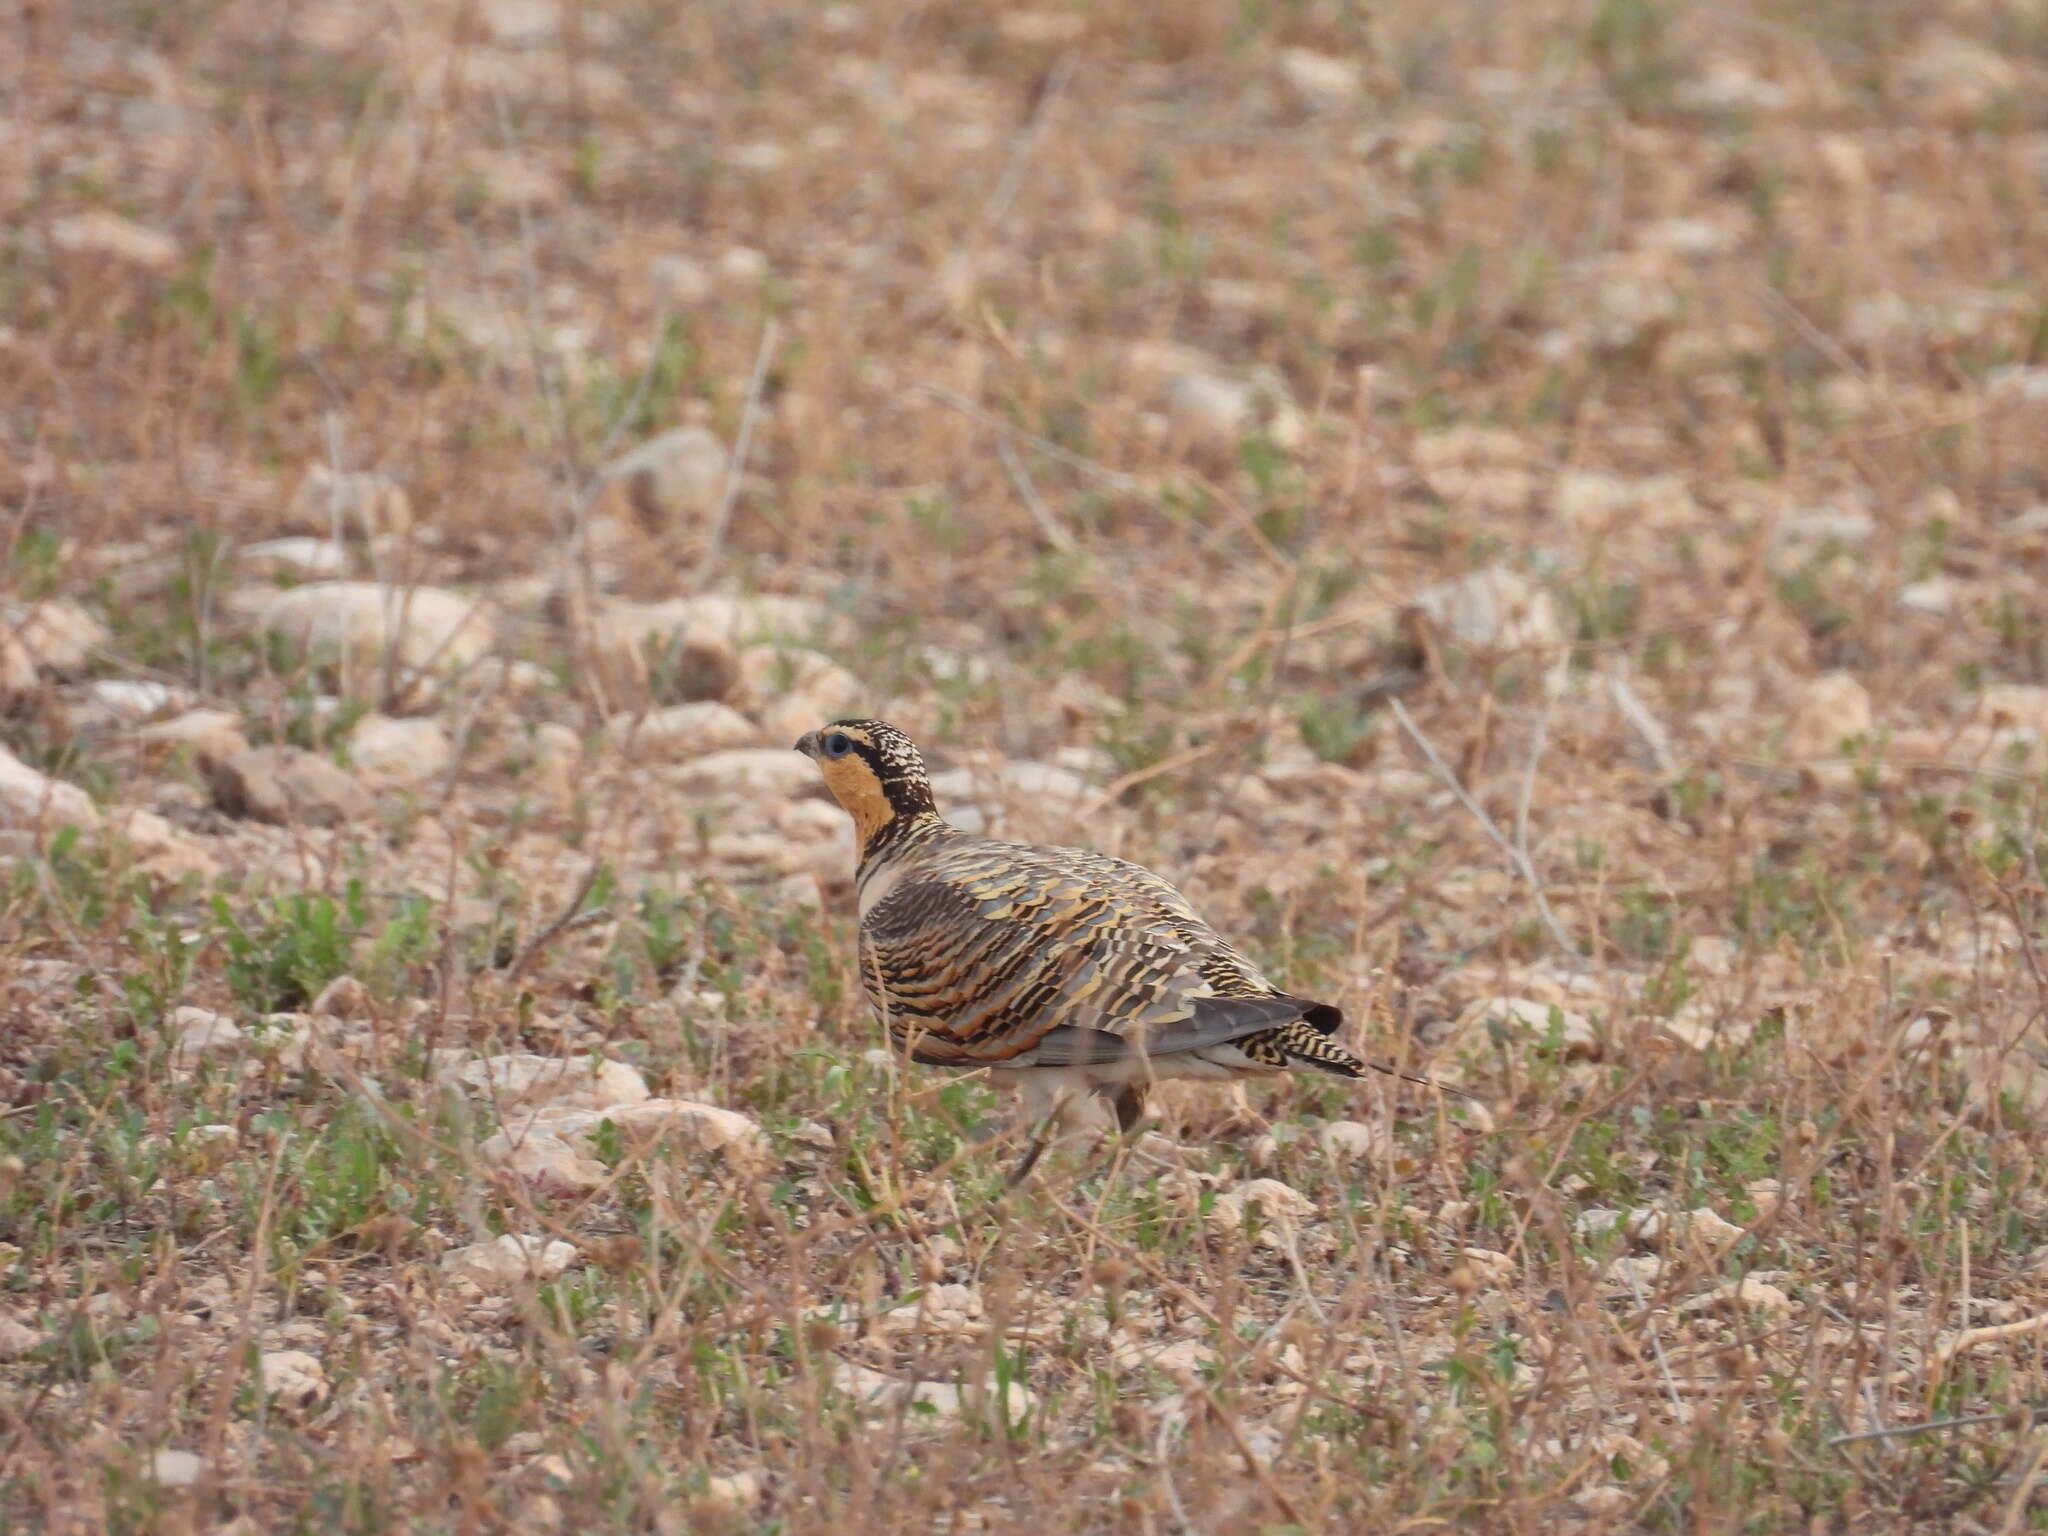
point(1214, 1064)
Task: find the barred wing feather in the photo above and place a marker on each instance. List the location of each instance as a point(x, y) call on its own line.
point(1046, 957)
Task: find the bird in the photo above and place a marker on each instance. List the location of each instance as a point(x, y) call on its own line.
point(1085, 978)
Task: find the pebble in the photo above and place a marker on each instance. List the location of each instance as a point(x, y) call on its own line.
point(1832, 709)
point(1749, 1292)
point(507, 1259)
point(300, 556)
point(369, 622)
point(399, 753)
point(209, 733)
point(100, 232)
point(696, 638)
point(743, 771)
point(738, 1492)
point(287, 785)
point(114, 701)
point(1526, 1019)
point(676, 478)
point(17, 1339)
point(945, 1399)
point(1219, 412)
point(200, 1032)
point(552, 1148)
point(791, 690)
point(176, 1469)
point(1493, 609)
point(31, 798)
point(59, 635)
point(1316, 81)
point(1347, 1140)
point(683, 730)
point(1276, 1204)
point(362, 503)
point(293, 1378)
point(524, 1081)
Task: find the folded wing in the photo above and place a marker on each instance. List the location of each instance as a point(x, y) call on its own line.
point(1002, 955)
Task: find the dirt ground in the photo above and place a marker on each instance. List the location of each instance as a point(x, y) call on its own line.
point(1534, 516)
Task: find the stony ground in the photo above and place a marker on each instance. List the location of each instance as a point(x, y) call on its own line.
point(1535, 516)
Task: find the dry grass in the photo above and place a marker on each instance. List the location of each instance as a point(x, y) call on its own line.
point(1718, 332)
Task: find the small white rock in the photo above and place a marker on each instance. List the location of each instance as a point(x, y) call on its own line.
point(797, 893)
point(1316, 81)
point(344, 998)
point(744, 771)
point(31, 798)
point(17, 1339)
point(674, 478)
point(294, 1378)
point(1832, 709)
point(1631, 1272)
point(682, 280)
point(1494, 609)
point(737, 1493)
point(209, 733)
point(369, 623)
point(1934, 597)
point(176, 1469)
point(698, 637)
point(938, 1309)
point(522, 23)
point(103, 233)
point(1275, 1203)
point(546, 1162)
point(708, 1126)
point(944, 1399)
point(212, 1142)
point(1469, 446)
point(1711, 1227)
point(399, 753)
point(1528, 1019)
point(1351, 1139)
point(508, 1259)
point(199, 1032)
point(361, 503)
point(1218, 412)
point(1604, 1500)
point(552, 1147)
point(683, 730)
point(1599, 1220)
point(130, 700)
point(300, 556)
point(1748, 1293)
point(59, 634)
point(790, 690)
point(742, 266)
point(522, 1080)
point(1490, 1262)
point(1816, 527)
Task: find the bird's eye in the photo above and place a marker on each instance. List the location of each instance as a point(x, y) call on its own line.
point(838, 744)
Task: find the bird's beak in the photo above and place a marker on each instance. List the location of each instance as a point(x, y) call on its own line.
point(808, 744)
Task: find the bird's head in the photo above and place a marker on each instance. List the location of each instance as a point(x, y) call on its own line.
point(874, 771)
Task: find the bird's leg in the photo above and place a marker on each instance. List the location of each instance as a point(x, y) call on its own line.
point(1129, 1103)
point(1041, 1138)
point(1242, 1115)
point(1056, 1104)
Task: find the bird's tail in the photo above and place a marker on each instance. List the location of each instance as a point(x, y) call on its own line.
point(1306, 1044)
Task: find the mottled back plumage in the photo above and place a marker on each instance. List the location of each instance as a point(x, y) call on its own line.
point(1054, 962)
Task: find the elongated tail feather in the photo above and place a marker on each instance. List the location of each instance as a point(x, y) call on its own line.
point(1301, 1043)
